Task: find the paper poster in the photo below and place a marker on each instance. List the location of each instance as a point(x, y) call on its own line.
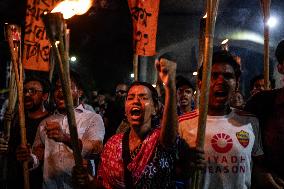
point(36, 45)
point(144, 18)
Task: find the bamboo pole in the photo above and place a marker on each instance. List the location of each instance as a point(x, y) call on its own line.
point(212, 8)
point(201, 41)
point(12, 99)
point(265, 4)
point(51, 66)
point(135, 67)
point(18, 70)
point(56, 31)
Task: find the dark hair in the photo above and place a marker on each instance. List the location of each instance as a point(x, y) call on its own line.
point(182, 81)
point(254, 79)
point(43, 81)
point(223, 57)
point(169, 56)
point(154, 92)
point(279, 53)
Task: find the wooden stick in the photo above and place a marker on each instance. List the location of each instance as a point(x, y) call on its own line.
point(51, 66)
point(12, 99)
point(18, 69)
point(212, 8)
point(135, 67)
point(265, 4)
point(56, 29)
point(201, 41)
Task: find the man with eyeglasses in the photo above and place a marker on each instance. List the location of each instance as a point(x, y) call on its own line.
point(114, 115)
point(52, 145)
point(35, 92)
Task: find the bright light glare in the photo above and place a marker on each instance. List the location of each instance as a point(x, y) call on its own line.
point(154, 85)
point(70, 8)
point(132, 75)
point(57, 43)
point(272, 22)
point(225, 41)
point(205, 16)
point(194, 73)
point(247, 36)
point(73, 59)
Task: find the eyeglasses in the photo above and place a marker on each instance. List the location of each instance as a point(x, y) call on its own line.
point(31, 91)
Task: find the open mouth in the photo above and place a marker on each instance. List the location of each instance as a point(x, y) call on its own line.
point(135, 112)
point(184, 100)
point(28, 101)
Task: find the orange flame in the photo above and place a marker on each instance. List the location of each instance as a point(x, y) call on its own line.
point(70, 8)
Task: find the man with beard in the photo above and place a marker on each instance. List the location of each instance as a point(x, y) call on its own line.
point(232, 140)
point(114, 115)
point(53, 142)
point(35, 95)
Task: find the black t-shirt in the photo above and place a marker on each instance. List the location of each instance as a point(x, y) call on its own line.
point(268, 106)
point(114, 114)
point(15, 170)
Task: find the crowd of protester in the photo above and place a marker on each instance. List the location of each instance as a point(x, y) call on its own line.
point(144, 138)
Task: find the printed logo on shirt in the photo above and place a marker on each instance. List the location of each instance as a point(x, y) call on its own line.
point(222, 143)
point(243, 138)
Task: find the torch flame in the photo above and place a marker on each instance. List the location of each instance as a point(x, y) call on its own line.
point(70, 8)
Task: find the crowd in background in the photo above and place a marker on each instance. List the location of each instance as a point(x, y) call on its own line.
point(145, 137)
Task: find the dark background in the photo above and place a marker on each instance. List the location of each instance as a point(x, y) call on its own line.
point(101, 39)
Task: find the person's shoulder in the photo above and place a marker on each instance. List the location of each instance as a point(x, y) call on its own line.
point(88, 107)
point(187, 116)
point(115, 140)
point(264, 96)
point(261, 102)
point(90, 114)
point(116, 137)
point(240, 112)
point(245, 117)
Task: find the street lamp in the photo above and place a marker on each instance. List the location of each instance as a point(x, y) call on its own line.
point(73, 59)
point(272, 22)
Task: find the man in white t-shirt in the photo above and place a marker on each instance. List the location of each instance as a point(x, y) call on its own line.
point(232, 139)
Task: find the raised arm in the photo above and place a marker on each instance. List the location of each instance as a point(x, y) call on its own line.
point(167, 74)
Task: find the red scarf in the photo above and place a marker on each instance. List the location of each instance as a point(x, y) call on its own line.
point(111, 169)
